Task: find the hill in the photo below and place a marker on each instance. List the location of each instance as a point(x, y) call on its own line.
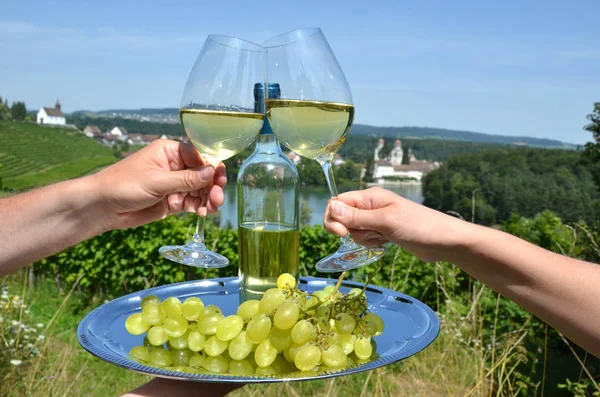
point(33, 155)
point(172, 115)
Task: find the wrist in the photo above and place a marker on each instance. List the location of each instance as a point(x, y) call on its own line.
point(87, 206)
point(463, 238)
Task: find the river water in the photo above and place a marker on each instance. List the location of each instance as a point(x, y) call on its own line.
point(314, 197)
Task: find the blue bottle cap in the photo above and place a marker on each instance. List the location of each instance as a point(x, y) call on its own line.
point(273, 88)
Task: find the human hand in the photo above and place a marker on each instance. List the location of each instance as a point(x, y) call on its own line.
point(376, 216)
point(160, 387)
point(161, 179)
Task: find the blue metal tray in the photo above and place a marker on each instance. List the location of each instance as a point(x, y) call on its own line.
point(410, 326)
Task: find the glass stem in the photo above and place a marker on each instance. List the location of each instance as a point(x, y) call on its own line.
point(198, 237)
point(347, 242)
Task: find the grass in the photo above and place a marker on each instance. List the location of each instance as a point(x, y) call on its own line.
point(58, 173)
point(456, 364)
point(32, 155)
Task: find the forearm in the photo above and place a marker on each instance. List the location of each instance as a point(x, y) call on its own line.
point(177, 388)
point(562, 291)
point(45, 221)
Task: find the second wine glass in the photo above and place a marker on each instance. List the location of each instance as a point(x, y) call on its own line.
point(313, 117)
point(218, 115)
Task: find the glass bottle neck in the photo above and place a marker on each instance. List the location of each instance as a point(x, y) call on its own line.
point(267, 143)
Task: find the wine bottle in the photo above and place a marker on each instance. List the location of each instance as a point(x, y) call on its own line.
point(268, 201)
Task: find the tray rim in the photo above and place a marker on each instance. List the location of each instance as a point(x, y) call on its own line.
point(106, 355)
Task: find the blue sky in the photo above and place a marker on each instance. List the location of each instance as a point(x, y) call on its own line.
point(511, 67)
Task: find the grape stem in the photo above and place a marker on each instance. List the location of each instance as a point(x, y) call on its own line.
point(371, 277)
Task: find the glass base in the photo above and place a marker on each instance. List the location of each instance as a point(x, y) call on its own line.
point(194, 254)
point(349, 257)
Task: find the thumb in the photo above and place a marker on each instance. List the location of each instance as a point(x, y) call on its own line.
point(185, 180)
point(354, 218)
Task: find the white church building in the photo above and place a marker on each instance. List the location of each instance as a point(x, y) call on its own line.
point(53, 116)
point(391, 167)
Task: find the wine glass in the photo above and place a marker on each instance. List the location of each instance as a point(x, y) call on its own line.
point(313, 117)
point(219, 117)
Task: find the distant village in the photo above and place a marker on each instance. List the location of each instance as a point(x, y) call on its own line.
point(385, 169)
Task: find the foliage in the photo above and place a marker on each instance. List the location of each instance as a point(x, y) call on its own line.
point(504, 181)
point(591, 154)
point(348, 171)
point(131, 125)
point(406, 156)
point(18, 111)
point(4, 111)
point(310, 172)
point(33, 155)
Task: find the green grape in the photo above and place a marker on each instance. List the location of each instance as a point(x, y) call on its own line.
point(214, 346)
point(358, 305)
point(135, 325)
point(281, 366)
point(346, 342)
point(239, 347)
point(334, 357)
point(229, 327)
point(294, 349)
point(180, 368)
point(286, 315)
point(373, 318)
point(322, 296)
point(150, 299)
point(307, 358)
point(286, 355)
point(258, 328)
point(311, 302)
point(345, 323)
point(371, 328)
point(181, 357)
point(192, 309)
point(152, 314)
point(280, 339)
point(265, 353)
point(208, 325)
point(217, 364)
point(302, 332)
point(196, 361)
point(157, 336)
point(172, 307)
point(196, 340)
point(179, 342)
point(175, 326)
point(323, 316)
point(286, 280)
point(212, 309)
point(329, 289)
point(355, 292)
point(160, 357)
point(248, 309)
point(265, 371)
point(140, 353)
point(271, 300)
point(241, 367)
point(363, 348)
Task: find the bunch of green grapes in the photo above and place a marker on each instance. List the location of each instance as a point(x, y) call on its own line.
point(286, 331)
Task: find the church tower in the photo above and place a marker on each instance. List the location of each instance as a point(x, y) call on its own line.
point(57, 106)
point(397, 153)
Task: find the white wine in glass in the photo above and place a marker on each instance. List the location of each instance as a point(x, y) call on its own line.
point(313, 117)
point(217, 113)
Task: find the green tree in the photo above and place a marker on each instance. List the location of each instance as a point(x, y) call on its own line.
point(4, 111)
point(18, 111)
point(406, 156)
point(348, 171)
point(369, 171)
point(591, 154)
point(311, 173)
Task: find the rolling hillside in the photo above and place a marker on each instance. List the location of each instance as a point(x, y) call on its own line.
point(154, 119)
point(33, 155)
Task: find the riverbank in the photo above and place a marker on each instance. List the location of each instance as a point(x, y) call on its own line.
point(393, 183)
